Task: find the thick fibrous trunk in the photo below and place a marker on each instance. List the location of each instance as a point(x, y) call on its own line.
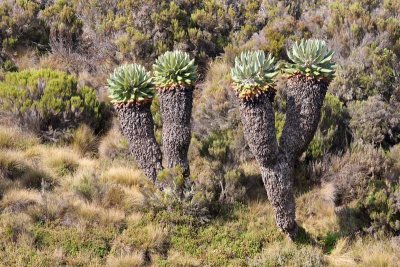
point(305, 97)
point(259, 129)
point(278, 181)
point(138, 127)
point(176, 113)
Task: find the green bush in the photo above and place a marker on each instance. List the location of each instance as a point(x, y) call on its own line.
point(382, 205)
point(331, 133)
point(19, 24)
point(62, 19)
point(45, 99)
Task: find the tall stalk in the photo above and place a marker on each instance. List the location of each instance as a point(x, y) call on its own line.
point(175, 74)
point(131, 90)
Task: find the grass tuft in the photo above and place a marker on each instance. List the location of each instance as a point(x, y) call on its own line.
point(12, 138)
point(84, 141)
point(125, 176)
point(113, 144)
point(17, 200)
point(135, 259)
point(61, 161)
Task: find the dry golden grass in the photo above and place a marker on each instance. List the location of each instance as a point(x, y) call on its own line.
point(316, 212)
point(13, 164)
point(149, 237)
point(113, 144)
point(16, 168)
point(84, 141)
point(250, 168)
point(14, 227)
point(26, 59)
point(18, 198)
point(95, 81)
point(13, 138)
point(125, 176)
point(135, 259)
point(134, 218)
point(286, 253)
point(56, 62)
point(218, 76)
point(90, 212)
point(113, 196)
point(261, 210)
point(366, 252)
point(135, 199)
point(60, 161)
point(156, 236)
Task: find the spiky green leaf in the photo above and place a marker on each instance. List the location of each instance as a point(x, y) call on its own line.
point(174, 68)
point(311, 58)
point(130, 83)
point(253, 72)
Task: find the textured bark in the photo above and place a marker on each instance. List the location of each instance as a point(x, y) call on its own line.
point(305, 97)
point(278, 181)
point(304, 101)
point(176, 112)
point(259, 129)
point(138, 127)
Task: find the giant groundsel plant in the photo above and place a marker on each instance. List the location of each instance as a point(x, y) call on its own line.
point(131, 90)
point(311, 58)
point(310, 72)
point(130, 83)
point(174, 76)
point(174, 68)
point(253, 74)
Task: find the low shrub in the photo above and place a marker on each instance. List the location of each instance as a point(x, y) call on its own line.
point(394, 155)
point(290, 255)
point(19, 24)
point(352, 172)
point(382, 206)
point(80, 247)
point(45, 100)
point(375, 121)
point(331, 133)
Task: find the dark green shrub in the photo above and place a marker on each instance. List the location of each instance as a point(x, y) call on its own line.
point(45, 99)
point(382, 205)
point(218, 159)
point(8, 65)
